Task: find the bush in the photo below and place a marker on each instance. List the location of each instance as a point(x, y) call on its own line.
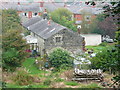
point(22, 77)
point(105, 60)
point(60, 59)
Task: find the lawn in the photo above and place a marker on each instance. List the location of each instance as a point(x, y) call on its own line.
point(29, 64)
point(100, 47)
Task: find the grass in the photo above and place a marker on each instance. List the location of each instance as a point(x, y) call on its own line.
point(71, 83)
point(26, 86)
point(92, 85)
point(99, 48)
point(59, 80)
point(29, 65)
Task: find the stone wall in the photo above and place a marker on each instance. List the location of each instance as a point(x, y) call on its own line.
point(70, 41)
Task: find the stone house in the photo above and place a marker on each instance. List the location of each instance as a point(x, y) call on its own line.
point(51, 35)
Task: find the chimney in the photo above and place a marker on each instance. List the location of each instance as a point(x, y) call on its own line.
point(45, 16)
point(18, 2)
point(64, 4)
point(49, 21)
point(41, 4)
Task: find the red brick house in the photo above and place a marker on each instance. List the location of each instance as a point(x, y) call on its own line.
point(25, 10)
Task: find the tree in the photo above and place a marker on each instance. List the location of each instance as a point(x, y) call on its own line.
point(63, 17)
point(86, 21)
point(114, 11)
point(60, 59)
point(13, 44)
point(103, 26)
point(10, 19)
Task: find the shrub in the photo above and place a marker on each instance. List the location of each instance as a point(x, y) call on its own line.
point(105, 60)
point(60, 59)
point(22, 77)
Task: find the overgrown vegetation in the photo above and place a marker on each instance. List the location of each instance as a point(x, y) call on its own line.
point(22, 77)
point(13, 45)
point(105, 59)
point(60, 59)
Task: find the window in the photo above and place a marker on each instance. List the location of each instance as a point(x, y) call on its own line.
point(87, 18)
point(25, 14)
point(35, 14)
point(58, 39)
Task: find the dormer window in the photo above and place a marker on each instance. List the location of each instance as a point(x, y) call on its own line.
point(58, 39)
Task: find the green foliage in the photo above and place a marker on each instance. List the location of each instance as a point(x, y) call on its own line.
point(105, 60)
point(60, 59)
point(29, 64)
point(13, 50)
point(11, 59)
point(26, 86)
point(47, 82)
point(92, 85)
point(71, 83)
point(22, 77)
point(26, 33)
point(103, 44)
point(63, 17)
point(13, 44)
point(10, 20)
point(59, 80)
point(2, 84)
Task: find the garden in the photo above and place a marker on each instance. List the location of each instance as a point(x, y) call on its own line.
point(58, 75)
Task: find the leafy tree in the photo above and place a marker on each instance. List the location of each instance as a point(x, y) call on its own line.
point(13, 44)
point(63, 17)
point(10, 19)
point(114, 11)
point(85, 25)
point(104, 26)
point(105, 60)
point(60, 59)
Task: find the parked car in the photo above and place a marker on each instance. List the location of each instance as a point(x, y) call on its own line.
point(107, 39)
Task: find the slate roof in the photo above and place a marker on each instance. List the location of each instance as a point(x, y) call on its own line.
point(53, 6)
point(77, 9)
point(31, 21)
point(30, 7)
point(41, 27)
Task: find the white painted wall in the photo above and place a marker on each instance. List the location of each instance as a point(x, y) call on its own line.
point(92, 39)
